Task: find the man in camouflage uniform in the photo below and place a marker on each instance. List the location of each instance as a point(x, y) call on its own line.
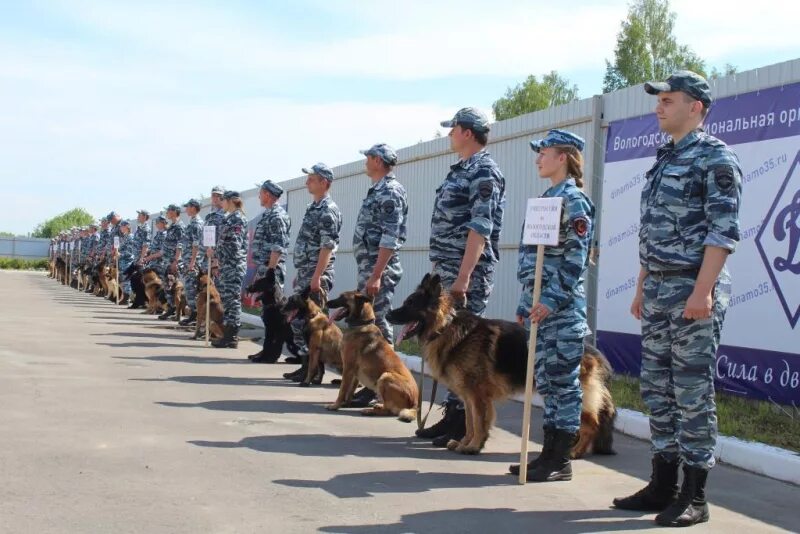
point(91, 251)
point(379, 233)
point(171, 257)
point(465, 234)
point(315, 247)
point(191, 257)
point(113, 231)
point(270, 243)
point(271, 235)
point(127, 255)
point(141, 239)
point(689, 226)
point(155, 251)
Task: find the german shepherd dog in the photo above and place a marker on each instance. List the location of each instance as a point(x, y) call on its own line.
point(61, 270)
point(276, 328)
point(484, 360)
point(154, 291)
point(324, 339)
point(175, 288)
point(368, 358)
point(134, 274)
point(102, 279)
point(215, 323)
point(112, 281)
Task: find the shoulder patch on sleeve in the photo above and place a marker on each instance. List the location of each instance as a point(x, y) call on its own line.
point(723, 177)
point(388, 206)
point(485, 189)
point(581, 226)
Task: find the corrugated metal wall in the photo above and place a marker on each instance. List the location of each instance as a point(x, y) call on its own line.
point(26, 248)
point(424, 166)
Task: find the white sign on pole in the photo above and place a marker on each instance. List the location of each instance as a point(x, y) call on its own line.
point(209, 236)
point(542, 221)
point(116, 242)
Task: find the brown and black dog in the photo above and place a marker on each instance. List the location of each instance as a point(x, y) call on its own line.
point(324, 339)
point(485, 360)
point(154, 290)
point(368, 358)
point(176, 289)
point(215, 322)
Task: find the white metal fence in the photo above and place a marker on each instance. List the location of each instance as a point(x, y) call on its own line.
point(423, 167)
point(26, 248)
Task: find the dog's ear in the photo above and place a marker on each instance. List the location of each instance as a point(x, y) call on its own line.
point(270, 276)
point(425, 281)
point(435, 286)
point(361, 298)
point(306, 292)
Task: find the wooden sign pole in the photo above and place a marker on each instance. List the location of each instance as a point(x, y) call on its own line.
point(526, 410)
point(208, 294)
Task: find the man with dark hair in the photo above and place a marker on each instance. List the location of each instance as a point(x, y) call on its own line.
point(191, 257)
point(171, 258)
point(465, 236)
point(689, 227)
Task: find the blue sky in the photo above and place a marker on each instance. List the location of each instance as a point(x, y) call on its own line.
point(121, 105)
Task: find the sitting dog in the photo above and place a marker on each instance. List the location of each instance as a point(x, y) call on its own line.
point(276, 328)
point(324, 339)
point(368, 358)
point(215, 320)
point(134, 274)
point(154, 291)
point(485, 360)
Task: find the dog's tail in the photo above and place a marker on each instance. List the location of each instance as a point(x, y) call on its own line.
point(604, 439)
point(407, 415)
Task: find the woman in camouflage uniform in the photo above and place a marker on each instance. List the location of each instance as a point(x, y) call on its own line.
point(231, 264)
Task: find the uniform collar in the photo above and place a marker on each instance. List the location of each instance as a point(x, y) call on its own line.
point(383, 182)
point(687, 141)
point(471, 161)
point(556, 190)
point(324, 201)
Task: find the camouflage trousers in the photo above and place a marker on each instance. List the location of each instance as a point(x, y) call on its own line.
point(559, 349)
point(189, 279)
point(124, 263)
point(677, 379)
point(480, 287)
point(382, 302)
point(231, 278)
point(303, 280)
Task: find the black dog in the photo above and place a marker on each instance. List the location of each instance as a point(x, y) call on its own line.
point(276, 328)
point(134, 274)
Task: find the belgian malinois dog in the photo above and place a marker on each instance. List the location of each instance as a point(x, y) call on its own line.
point(323, 338)
point(368, 358)
point(215, 322)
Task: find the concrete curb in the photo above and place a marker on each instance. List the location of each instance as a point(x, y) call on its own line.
point(772, 462)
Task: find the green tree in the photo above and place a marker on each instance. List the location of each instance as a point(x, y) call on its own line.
point(647, 49)
point(533, 95)
point(64, 221)
point(726, 71)
point(7, 234)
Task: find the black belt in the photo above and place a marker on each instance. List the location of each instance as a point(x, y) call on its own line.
point(660, 275)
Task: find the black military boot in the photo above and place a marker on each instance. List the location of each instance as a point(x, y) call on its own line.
point(441, 428)
point(299, 374)
point(167, 314)
point(659, 493)
point(456, 430)
point(255, 357)
point(362, 398)
point(124, 300)
point(229, 339)
point(189, 320)
point(690, 507)
point(549, 433)
point(556, 465)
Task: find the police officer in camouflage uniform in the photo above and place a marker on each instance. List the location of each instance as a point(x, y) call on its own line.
point(231, 255)
point(127, 255)
point(91, 251)
point(191, 257)
point(216, 215)
point(113, 231)
point(171, 258)
point(155, 251)
point(380, 231)
point(141, 238)
point(270, 243)
point(315, 249)
point(561, 310)
point(689, 226)
point(271, 235)
point(465, 234)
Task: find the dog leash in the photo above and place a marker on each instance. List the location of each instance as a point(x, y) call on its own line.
point(422, 420)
